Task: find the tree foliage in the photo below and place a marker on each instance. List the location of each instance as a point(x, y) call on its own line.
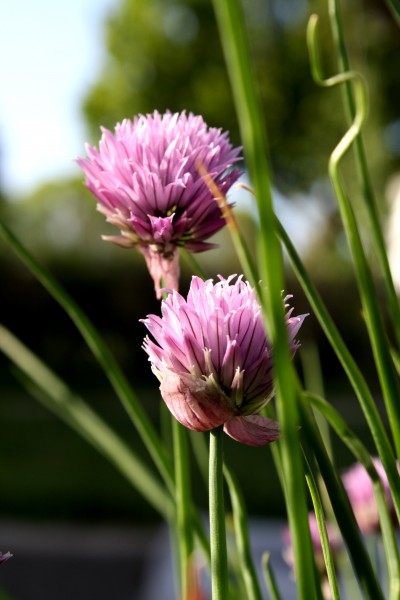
point(166, 54)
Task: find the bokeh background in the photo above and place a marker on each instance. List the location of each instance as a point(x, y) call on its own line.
point(67, 69)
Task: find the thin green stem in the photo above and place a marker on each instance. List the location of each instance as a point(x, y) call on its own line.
point(323, 533)
point(363, 173)
point(386, 372)
point(51, 391)
point(362, 456)
point(240, 518)
point(342, 510)
point(219, 561)
point(183, 505)
point(193, 263)
point(349, 365)
point(103, 355)
point(253, 133)
point(394, 7)
point(269, 578)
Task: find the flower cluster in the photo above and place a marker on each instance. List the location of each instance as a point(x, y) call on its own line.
point(214, 360)
point(146, 178)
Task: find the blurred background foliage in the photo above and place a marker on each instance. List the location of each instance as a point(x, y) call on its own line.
point(166, 54)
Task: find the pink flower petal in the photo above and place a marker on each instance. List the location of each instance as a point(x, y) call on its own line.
point(253, 430)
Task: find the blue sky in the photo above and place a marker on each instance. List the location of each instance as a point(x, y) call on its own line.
point(49, 52)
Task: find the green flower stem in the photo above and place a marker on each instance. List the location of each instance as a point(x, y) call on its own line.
point(219, 561)
point(363, 173)
point(246, 261)
point(253, 133)
point(51, 391)
point(269, 578)
point(350, 367)
point(386, 372)
point(342, 510)
point(326, 548)
point(362, 455)
point(394, 6)
point(103, 356)
point(193, 263)
point(183, 505)
point(240, 518)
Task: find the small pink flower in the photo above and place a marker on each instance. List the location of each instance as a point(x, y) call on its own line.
point(360, 491)
point(146, 178)
point(213, 358)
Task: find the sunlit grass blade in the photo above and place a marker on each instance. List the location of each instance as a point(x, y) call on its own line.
point(51, 391)
point(325, 545)
point(377, 236)
point(103, 355)
point(342, 510)
point(240, 518)
point(362, 455)
point(253, 133)
point(183, 502)
point(242, 251)
point(219, 558)
point(269, 578)
point(388, 378)
point(349, 365)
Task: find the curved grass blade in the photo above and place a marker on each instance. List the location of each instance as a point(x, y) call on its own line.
point(362, 455)
point(51, 391)
point(103, 356)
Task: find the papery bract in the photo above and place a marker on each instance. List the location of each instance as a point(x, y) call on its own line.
point(146, 178)
point(214, 360)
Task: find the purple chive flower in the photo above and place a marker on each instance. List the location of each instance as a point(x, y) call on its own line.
point(146, 178)
point(4, 557)
point(360, 491)
point(213, 358)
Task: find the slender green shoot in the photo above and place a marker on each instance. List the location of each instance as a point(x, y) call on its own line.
point(349, 365)
point(103, 355)
point(240, 518)
point(269, 578)
point(231, 22)
point(219, 560)
point(362, 456)
point(183, 505)
point(377, 237)
point(342, 510)
point(380, 346)
point(325, 543)
point(51, 391)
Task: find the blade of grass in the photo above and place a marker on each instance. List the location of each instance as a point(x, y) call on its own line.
point(349, 365)
point(377, 236)
point(231, 26)
point(269, 577)
point(103, 355)
point(362, 455)
point(323, 533)
point(240, 518)
point(51, 391)
point(219, 560)
point(380, 346)
point(342, 510)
